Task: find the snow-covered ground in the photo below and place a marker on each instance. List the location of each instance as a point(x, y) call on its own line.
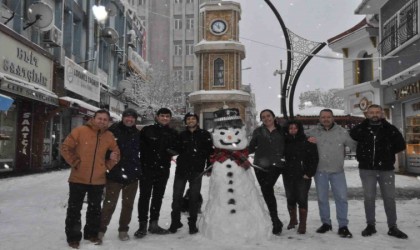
point(33, 208)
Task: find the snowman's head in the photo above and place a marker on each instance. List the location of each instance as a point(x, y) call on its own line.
point(229, 130)
point(231, 138)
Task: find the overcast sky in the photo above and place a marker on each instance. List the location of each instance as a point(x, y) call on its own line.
point(260, 32)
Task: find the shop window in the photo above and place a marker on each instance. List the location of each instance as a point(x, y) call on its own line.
point(7, 139)
point(412, 137)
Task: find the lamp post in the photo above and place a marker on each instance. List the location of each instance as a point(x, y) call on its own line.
point(280, 72)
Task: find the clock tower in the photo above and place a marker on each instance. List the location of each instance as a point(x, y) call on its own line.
point(220, 56)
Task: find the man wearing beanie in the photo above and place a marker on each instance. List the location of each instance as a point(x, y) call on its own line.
point(195, 148)
point(159, 143)
point(124, 176)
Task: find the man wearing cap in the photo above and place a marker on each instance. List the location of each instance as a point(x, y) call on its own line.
point(159, 143)
point(124, 176)
point(195, 148)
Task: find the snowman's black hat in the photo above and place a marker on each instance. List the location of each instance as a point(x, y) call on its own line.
point(227, 118)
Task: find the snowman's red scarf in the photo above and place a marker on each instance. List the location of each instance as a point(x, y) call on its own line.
point(238, 156)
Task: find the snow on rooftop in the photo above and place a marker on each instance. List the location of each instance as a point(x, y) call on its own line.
point(314, 111)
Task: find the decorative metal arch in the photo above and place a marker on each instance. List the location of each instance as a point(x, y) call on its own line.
point(299, 52)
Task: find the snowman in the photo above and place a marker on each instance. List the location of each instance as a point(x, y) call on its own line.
point(235, 210)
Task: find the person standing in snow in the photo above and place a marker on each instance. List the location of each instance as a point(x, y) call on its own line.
point(159, 143)
point(195, 148)
point(267, 143)
point(331, 140)
point(301, 163)
point(124, 176)
point(85, 151)
point(377, 143)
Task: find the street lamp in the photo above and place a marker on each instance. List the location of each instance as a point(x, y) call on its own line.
point(280, 72)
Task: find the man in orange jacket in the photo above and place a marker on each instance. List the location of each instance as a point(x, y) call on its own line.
point(84, 150)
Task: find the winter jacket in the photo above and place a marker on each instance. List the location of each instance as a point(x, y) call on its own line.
point(158, 145)
point(331, 147)
point(194, 150)
point(85, 150)
point(301, 155)
point(376, 147)
point(128, 168)
point(267, 146)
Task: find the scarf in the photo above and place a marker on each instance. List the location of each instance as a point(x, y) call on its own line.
point(238, 156)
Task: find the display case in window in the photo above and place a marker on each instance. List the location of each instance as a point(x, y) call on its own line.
point(412, 137)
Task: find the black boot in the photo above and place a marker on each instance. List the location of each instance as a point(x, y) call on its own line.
point(293, 217)
point(277, 226)
point(154, 228)
point(192, 226)
point(142, 230)
point(175, 226)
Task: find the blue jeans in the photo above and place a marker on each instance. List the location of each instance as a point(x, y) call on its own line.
point(323, 180)
point(386, 180)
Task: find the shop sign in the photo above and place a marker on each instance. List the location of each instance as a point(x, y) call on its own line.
point(24, 63)
point(24, 136)
point(408, 90)
point(19, 89)
point(81, 81)
point(136, 62)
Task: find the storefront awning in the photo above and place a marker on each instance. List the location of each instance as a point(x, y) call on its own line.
point(26, 89)
point(5, 102)
point(84, 107)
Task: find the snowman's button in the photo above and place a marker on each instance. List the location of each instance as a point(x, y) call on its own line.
point(228, 166)
point(230, 182)
point(229, 174)
point(230, 190)
point(231, 202)
point(232, 211)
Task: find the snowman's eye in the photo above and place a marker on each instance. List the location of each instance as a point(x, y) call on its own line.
point(222, 133)
point(237, 132)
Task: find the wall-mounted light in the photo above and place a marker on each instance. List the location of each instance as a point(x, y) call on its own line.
point(100, 13)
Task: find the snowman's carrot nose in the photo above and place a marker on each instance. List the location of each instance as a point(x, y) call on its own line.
point(229, 137)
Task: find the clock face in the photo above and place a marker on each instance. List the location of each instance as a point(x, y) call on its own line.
point(218, 27)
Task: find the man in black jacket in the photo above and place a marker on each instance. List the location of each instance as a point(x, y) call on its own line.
point(124, 176)
point(377, 143)
point(195, 148)
point(158, 144)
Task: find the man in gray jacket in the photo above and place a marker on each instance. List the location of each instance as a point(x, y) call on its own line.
point(331, 140)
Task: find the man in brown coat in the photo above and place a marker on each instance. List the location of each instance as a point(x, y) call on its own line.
point(84, 150)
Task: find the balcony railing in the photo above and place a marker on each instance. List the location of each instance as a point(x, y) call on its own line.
point(400, 28)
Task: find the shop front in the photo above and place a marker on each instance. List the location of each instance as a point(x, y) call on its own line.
point(26, 73)
point(412, 135)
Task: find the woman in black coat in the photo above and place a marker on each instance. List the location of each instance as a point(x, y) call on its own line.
point(301, 163)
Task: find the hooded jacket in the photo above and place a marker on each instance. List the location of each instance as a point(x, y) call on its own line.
point(128, 168)
point(376, 147)
point(331, 145)
point(301, 155)
point(85, 149)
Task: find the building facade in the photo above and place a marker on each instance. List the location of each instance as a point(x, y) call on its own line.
point(396, 82)
point(60, 69)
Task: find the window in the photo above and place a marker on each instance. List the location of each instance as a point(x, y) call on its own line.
point(189, 75)
point(178, 75)
point(400, 27)
point(189, 49)
point(364, 69)
point(142, 2)
point(178, 23)
point(178, 1)
point(189, 24)
point(219, 74)
point(178, 49)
